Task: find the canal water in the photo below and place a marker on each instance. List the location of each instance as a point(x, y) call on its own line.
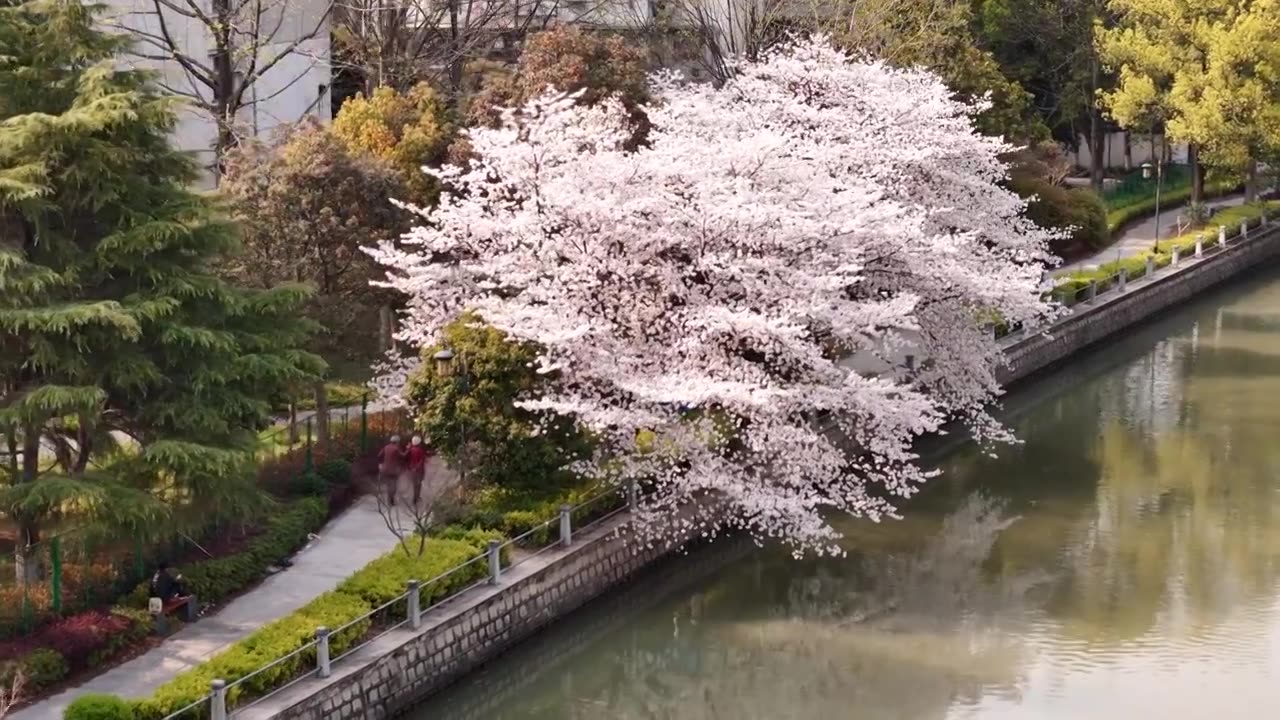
point(1123, 562)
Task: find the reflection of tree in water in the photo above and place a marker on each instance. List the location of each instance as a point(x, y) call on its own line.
point(899, 633)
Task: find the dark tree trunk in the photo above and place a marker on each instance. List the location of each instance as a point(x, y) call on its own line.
point(386, 329)
point(1197, 173)
point(293, 422)
point(224, 77)
point(1097, 139)
point(26, 554)
point(1251, 182)
point(322, 413)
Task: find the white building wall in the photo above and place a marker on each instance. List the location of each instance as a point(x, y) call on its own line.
point(293, 88)
point(1140, 150)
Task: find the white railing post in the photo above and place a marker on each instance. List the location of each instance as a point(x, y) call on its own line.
point(1199, 244)
point(1174, 262)
point(1151, 267)
point(415, 605)
point(566, 525)
point(495, 562)
point(633, 499)
point(218, 700)
point(1222, 236)
point(322, 652)
point(1123, 279)
point(1091, 292)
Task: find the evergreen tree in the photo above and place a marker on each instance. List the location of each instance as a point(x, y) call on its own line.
point(114, 332)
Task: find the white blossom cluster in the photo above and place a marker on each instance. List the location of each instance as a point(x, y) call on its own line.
point(811, 208)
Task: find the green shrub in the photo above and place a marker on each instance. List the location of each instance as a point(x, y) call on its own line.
point(309, 484)
point(286, 531)
point(335, 472)
point(98, 707)
point(376, 584)
point(43, 668)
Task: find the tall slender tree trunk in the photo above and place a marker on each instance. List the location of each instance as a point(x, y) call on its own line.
point(26, 553)
point(1251, 182)
point(224, 77)
point(1096, 136)
point(293, 421)
point(322, 413)
point(1128, 152)
point(1197, 173)
point(386, 328)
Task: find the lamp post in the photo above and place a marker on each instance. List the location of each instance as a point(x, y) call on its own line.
point(1146, 175)
point(446, 367)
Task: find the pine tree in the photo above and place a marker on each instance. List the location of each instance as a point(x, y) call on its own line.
point(115, 334)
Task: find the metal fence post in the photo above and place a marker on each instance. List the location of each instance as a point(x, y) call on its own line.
point(633, 500)
point(308, 461)
point(1222, 236)
point(495, 562)
point(566, 525)
point(1199, 244)
point(364, 422)
point(218, 700)
point(1151, 267)
point(415, 605)
point(322, 651)
point(55, 572)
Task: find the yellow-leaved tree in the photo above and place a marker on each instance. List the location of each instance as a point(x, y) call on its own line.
point(1205, 70)
point(407, 130)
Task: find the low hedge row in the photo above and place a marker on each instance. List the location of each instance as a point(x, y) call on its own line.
point(1135, 266)
point(376, 584)
point(1120, 217)
point(215, 580)
point(514, 514)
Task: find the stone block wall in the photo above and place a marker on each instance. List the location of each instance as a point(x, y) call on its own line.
point(1114, 313)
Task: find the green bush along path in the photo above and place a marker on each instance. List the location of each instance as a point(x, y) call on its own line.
point(345, 545)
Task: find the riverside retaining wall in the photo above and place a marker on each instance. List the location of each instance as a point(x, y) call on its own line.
point(1114, 311)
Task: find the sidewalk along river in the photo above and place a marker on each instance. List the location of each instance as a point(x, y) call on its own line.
point(1120, 563)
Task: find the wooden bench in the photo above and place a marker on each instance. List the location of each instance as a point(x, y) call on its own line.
point(185, 605)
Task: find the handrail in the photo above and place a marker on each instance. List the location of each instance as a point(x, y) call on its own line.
point(216, 699)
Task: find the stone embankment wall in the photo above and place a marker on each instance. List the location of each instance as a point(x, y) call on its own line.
point(1113, 312)
point(398, 670)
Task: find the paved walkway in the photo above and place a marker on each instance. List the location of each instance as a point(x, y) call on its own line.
point(346, 544)
point(1141, 236)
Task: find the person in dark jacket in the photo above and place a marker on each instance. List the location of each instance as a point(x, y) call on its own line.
point(391, 466)
point(166, 585)
point(417, 457)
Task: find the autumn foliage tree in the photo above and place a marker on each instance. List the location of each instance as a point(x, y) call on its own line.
point(811, 209)
point(406, 130)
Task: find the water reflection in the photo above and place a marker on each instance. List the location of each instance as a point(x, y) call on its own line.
point(1121, 562)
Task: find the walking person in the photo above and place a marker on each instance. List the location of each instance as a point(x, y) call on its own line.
point(417, 466)
point(391, 467)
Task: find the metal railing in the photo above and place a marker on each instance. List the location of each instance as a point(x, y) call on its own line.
point(216, 701)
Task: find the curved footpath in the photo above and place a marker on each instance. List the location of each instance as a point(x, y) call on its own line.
point(348, 543)
point(1141, 236)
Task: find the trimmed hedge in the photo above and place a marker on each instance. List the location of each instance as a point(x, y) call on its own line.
point(1135, 266)
point(1120, 217)
point(376, 584)
point(97, 706)
point(216, 579)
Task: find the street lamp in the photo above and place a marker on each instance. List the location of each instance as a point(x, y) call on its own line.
point(446, 367)
point(1146, 175)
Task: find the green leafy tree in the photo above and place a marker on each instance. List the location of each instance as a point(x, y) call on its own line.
point(112, 322)
point(308, 205)
point(505, 445)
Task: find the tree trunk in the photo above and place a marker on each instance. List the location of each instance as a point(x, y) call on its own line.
point(1251, 182)
point(1197, 173)
point(293, 422)
point(322, 413)
point(26, 554)
point(224, 77)
point(455, 55)
point(1096, 137)
point(386, 329)
point(1128, 152)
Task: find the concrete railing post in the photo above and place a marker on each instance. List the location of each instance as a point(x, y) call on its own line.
point(1151, 267)
point(218, 700)
point(495, 562)
point(1121, 280)
point(1222, 236)
point(1174, 261)
point(1244, 229)
point(415, 605)
point(322, 652)
point(911, 363)
point(566, 525)
point(1199, 244)
point(1091, 292)
point(633, 496)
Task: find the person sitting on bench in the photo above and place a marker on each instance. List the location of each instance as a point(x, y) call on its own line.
point(165, 585)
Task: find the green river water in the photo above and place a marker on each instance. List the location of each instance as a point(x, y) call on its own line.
point(1121, 564)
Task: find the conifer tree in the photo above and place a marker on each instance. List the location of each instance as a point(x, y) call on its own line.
point(132, 378)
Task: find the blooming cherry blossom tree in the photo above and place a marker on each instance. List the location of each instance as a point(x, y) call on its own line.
point(711, 287)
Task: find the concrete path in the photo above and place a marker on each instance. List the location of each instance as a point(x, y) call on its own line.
point(1141, 236)
point(345, 545)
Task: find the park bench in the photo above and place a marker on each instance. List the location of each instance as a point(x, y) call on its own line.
point(186, 607)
